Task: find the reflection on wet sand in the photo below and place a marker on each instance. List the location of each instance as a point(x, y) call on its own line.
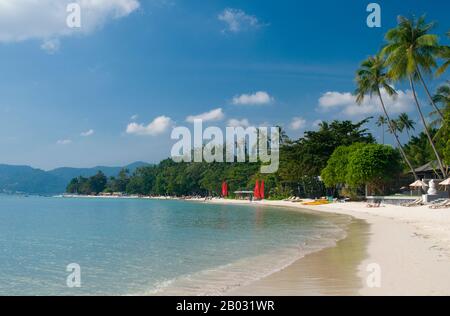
point(332, 271)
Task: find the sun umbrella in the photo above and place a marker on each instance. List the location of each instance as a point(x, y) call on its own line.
point(261, 190)
point(419, 184)
point(224, 189)
point(445, 183)
point(256, 191)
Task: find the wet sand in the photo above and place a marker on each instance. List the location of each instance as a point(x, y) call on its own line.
point(331, 271)
point(409, 248)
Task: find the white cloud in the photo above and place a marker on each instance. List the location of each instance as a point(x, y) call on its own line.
point(258, 98)
point(88, 133)
point(64, 142)
point(345, 103)
point(45, 20)
point(297, 123)
point(134, 117)
point(239, 123)
point(51, 46)
point(237, 20)
point(158, 126)
point(213, 115)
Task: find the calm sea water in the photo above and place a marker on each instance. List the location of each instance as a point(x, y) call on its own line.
point(133, 247)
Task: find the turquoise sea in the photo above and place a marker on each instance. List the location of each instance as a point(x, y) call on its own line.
point(137, 246)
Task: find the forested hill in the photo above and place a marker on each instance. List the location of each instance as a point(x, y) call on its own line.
point(25, 179)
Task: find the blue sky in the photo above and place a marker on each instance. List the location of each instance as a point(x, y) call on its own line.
point(137, 61)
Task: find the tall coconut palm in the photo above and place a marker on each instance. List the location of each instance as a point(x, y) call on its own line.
point(410, 49)
point(405, 123)
point(380, 123)
point(370, 79)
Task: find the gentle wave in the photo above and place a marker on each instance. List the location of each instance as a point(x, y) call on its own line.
point(222, 279)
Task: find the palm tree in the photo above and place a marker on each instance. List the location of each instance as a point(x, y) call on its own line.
point(395, 127)
point(380, 123)
point(410, 48)
point(370, 79)
point(444, 53)
point(442, 96)
point(405, 123)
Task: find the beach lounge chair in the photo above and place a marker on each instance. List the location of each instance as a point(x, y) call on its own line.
point(376, 204)
point(442, 205)
point(417, 202)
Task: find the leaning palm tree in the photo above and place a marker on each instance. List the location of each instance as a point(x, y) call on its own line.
point(410, 49)
point(405, 123)
point(370, 79)
point(380, 123)
point(444, 53)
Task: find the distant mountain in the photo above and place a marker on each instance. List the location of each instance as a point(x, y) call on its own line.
point(68, 174)
point(29, 180)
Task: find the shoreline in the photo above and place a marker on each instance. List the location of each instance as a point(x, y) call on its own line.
point(410, 246)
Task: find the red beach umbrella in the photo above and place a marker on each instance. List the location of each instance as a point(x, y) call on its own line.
point(224, 189)
point(261, 190)
point(256, 190)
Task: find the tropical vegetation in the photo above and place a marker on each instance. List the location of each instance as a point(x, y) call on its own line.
point(340, 154)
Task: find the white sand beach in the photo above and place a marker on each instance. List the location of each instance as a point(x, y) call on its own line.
point(411, 246)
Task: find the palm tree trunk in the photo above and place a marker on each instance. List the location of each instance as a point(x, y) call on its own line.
point(382, 131)
point(396, 137)
point(429, 94)
point(441, 166)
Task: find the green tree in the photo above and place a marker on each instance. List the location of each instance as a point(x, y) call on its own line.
point(418, 149)
point(373, 165)
point(335, 173)
point(84, 186)
point(98, 182)
point(73, 186)
point(370, 79)
point(313, 150)
point(411, 49)
point(446, 137)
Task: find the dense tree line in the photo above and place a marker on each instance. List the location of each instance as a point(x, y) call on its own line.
point(301, 162)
